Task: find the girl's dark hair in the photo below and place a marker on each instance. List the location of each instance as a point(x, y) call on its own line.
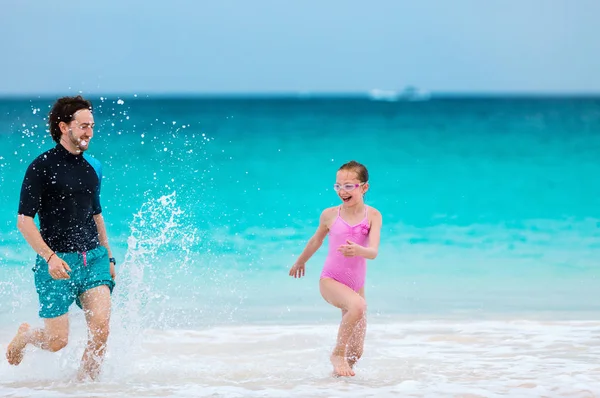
point(63, 110)
point(358, 168)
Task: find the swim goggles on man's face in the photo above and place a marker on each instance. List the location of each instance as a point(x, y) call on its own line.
point(346, 187)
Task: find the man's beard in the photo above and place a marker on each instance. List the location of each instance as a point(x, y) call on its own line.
point(78, 143)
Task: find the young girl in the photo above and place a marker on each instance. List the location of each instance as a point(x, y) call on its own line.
point(354, 230)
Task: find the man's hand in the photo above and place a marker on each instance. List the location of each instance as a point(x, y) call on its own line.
point(57, 268)
point(113, 273)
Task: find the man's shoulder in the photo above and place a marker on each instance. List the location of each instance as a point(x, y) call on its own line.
point(95, 163)
point(44, 158)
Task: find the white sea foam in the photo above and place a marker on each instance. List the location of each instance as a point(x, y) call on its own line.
point(409, 358)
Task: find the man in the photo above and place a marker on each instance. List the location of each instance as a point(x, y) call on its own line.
point(74, 261)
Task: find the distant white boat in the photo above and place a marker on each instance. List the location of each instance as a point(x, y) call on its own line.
point(410, 93)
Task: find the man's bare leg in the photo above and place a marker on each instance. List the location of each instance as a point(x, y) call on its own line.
point(96, 305)
point(355, 306)
point(53, 337)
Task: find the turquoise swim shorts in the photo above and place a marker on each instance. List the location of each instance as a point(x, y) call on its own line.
point(88, 270)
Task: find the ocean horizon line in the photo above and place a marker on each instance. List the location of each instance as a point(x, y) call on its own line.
point(354, 95)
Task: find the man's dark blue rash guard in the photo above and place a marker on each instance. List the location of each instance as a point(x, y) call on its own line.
point(64, 191)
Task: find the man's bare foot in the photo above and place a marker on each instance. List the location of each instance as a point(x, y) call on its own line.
point(14, 353)
point(340, 366)
point(83, 376)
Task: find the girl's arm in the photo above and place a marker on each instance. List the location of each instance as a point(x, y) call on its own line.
point(351, 249)
point(314, 243)
point(372, 250)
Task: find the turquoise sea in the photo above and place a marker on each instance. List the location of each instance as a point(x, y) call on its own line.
point(487, 280)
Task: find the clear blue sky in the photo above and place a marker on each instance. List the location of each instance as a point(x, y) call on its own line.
point(274, 46)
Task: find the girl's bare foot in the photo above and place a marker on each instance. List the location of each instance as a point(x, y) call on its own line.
point(340, 366)
point(352, 361)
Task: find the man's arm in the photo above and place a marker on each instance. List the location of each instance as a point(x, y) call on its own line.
point(97, 214)
point(30, 201)
point(29, 204)
point(103, 237)
point(32, 235)
point(57, 268)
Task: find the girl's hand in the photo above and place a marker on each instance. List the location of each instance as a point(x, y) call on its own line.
point(297, 270)
point(350, 249)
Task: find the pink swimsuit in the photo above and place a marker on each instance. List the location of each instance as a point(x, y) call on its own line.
point(351, 271)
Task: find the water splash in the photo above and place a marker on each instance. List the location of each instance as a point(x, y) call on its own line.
point(159, 247)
